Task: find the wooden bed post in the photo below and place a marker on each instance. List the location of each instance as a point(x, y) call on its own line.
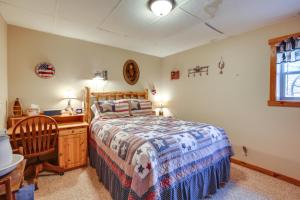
point(87, 104)
point(146, 93)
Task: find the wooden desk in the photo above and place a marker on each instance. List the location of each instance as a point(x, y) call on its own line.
point(72, 141)
point(15, 180)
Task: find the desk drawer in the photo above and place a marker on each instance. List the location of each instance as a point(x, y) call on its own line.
point(72, 131)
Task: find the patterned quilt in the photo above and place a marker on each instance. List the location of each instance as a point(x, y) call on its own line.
point(151, 153)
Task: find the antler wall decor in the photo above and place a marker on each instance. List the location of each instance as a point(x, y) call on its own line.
point(198, 70)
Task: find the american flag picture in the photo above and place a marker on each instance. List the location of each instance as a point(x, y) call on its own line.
point(45, 70)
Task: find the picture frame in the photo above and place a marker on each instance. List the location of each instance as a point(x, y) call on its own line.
point(175, 74)
point(131, 72)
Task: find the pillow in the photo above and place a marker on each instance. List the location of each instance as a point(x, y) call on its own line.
point(113, 108)
point(95, 110)
point(140, 107)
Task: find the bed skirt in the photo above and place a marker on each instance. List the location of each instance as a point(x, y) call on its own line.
point(197, 186)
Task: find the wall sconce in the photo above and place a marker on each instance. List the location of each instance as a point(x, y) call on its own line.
point(100, 75)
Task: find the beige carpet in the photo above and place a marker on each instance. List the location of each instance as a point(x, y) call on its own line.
point(245, 184)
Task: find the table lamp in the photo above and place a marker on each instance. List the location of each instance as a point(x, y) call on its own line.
point(161, 110)
point(69, 95)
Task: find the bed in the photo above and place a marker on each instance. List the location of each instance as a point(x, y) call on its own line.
point(151, 157)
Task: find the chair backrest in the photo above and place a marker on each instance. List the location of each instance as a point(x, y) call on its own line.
point(37, 135)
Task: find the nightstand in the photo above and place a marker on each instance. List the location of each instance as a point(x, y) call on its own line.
point(72, 141)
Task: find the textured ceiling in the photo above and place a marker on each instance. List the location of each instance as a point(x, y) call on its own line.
point(129, 24)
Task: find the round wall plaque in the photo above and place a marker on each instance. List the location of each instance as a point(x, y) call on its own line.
point(45, 70)
point(131, 72)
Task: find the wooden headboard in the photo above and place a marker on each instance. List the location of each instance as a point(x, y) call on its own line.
point(88, 95)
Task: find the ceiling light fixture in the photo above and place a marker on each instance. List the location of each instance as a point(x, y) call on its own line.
point(161, 7)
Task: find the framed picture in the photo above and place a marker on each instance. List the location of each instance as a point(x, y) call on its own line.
point(131, 72)
point(175, 75)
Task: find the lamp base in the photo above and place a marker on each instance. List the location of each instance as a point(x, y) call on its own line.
point(69, 110)
point(161, 113)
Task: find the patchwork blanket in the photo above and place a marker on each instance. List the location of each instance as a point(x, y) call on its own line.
point(149, 154)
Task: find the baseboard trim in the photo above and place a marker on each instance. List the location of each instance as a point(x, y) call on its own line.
point(267, 172)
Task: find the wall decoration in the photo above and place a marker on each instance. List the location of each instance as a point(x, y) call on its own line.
point(175, 74)
point(198, 70)
point(131, 72)
point(45, 70)
point(152, 88)
point(221, 65)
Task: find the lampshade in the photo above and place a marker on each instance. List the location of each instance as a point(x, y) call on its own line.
point(70, 94)
point(161, 7)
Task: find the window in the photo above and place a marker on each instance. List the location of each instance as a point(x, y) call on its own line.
point(285, 71)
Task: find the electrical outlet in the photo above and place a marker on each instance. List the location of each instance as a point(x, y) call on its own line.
point(245, 150)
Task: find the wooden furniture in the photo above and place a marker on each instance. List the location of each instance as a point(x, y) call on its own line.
point(108, 96)
point(273, 73)
point(14, 120)
point(37, 136)
point(17, 109)
point(72, 140)
point(12, 182)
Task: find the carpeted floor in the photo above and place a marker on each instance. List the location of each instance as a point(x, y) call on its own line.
point(245, 184)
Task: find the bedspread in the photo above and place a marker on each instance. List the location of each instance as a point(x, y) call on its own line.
point(149, 154)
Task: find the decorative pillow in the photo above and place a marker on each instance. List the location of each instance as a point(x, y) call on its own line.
point(140, 107)
point(95, 110)
point(113, 108)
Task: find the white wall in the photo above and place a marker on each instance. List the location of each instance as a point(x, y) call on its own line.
point(76, 62)
point(3, 72)
point(237, 100)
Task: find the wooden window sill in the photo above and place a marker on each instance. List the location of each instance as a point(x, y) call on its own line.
point(284, 103)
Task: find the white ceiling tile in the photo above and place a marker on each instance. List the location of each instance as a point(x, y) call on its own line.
point(172, 24)
point(88, 12)
point(131, 18)
point(130, 24)
point(236, 16)
point(37, 6)
point(22, 17)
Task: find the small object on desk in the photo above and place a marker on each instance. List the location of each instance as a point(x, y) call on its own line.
point(79, 111)
point(33, 110)
point(52, 112)
point(17, 108)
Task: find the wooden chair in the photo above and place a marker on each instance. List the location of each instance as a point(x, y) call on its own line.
point(8, 191)
point(37, 136)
